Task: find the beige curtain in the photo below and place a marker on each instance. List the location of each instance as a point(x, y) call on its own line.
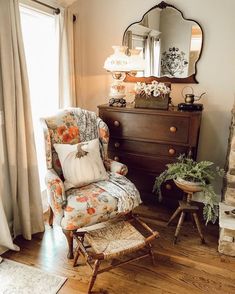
point(5, 199)
point(20, 165)
point(152, 56)
point(65, 33)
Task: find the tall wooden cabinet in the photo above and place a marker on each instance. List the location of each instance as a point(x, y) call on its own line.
point(146, 140)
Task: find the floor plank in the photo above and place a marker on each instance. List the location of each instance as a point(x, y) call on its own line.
point(187, 267)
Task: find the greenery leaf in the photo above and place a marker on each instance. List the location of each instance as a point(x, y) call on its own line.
point(202, 172)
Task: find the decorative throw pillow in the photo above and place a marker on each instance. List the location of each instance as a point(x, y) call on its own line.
point(81, 163)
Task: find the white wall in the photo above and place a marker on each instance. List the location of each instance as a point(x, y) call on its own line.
point(101, 24)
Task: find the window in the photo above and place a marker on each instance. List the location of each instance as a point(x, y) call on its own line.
point(40, 43)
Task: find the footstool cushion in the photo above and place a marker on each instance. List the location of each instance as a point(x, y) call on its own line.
point(116, 240)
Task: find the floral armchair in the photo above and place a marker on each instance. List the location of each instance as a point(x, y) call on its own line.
point(91, 204)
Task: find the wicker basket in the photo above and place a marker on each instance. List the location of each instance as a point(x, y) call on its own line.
point(146, 101)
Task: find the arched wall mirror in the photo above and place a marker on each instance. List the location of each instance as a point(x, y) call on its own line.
point(170, 44)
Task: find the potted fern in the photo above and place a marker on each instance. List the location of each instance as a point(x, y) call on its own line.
point(197, 175)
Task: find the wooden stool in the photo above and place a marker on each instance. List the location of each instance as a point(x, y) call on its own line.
point(111, 242)
point(185, 206)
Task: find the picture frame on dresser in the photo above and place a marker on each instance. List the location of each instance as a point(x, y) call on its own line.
point(148, 139)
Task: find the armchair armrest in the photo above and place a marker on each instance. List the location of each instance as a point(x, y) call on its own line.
point(115, 166)
point(56, 194)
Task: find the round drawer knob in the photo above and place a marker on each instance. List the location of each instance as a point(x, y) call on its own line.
point(168, 187)
point(173, 129)
point(171, 151)
point(116, 144)
point(116, 158)
point(116, 123)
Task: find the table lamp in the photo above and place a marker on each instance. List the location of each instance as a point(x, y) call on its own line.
point(119, 63)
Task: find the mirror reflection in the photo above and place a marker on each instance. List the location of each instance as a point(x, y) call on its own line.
point(169, 44)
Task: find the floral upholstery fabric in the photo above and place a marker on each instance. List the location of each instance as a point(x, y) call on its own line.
point(56, 194)
point(87, 206)
point(90, 204)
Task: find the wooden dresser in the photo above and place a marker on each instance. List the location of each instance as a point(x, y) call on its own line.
point(146, 140)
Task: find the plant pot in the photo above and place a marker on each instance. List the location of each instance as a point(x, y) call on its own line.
point(149, 101)
point(189, 187)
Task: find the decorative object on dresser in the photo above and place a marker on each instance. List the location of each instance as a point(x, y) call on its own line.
point(147, 140)
point(153, 95)
point(117, 102)
point(189, 99)
point(226, 218)
point(119, 64)
point(171, 45)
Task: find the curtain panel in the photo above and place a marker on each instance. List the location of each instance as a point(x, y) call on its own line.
point(65, 35)
point(20, 165)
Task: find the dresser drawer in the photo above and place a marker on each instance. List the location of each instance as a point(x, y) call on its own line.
point(157, 149)
point(148, 163)
point(148, 126)
point(145, 182)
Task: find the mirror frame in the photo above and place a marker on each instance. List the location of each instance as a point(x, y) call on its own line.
point(188, 80)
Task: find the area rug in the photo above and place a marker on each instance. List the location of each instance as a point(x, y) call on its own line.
point(18, 278)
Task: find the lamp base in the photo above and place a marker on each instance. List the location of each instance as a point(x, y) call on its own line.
point(117, 102)
point(117, 90)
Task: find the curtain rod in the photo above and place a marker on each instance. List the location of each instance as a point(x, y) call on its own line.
point(57, 10)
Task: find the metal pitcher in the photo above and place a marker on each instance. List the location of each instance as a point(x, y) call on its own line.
point(190, 98)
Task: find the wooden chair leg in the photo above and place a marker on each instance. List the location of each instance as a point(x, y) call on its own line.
point(51, 217)
point(94, 275)
point(181, 220)
point(151, 254)
point(77, 254)
point(199, 227)
point(69, 237)
point(178, 210)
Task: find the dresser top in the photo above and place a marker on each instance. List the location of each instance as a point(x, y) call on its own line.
point(130, 108)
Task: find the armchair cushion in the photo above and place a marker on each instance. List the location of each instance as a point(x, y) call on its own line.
point(88, 205)
point(81, 163)
point(99, 202)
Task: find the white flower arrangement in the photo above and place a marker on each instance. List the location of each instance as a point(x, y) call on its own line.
point(153, 89)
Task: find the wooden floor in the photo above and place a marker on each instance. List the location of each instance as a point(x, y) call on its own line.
point(185, 268)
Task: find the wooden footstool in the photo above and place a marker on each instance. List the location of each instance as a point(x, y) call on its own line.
point(111, 242)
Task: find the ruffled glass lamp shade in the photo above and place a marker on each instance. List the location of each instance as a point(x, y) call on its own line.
point(118, 61)
point(118, 64)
